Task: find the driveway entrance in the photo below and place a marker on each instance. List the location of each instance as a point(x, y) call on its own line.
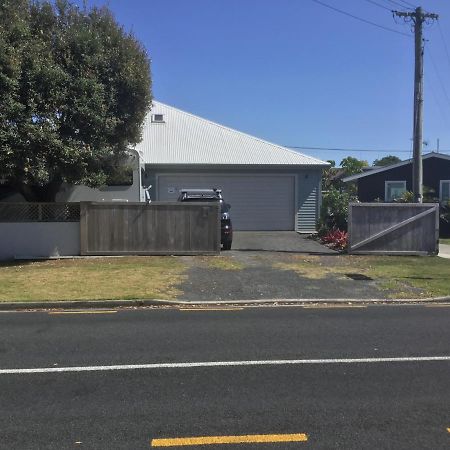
point(277, 241)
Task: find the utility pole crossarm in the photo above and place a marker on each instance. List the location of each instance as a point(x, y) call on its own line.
point(414, 14)
point(418, 17)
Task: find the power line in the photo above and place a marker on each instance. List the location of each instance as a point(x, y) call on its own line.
point(439, 77)
point(393, 2)
point(409, 4)
point(340, 11)
point(378, 4)
point(335, 149)
point(443, 41)
point(444, 116)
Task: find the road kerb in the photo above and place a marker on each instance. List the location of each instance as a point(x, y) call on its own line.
point(108, 304)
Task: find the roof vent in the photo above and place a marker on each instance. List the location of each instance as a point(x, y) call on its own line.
point(158, 118)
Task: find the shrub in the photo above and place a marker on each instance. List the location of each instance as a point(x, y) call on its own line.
point(334, 210)
point(444, 219)
point(335, 239)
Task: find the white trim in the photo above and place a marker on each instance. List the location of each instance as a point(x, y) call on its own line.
point(386, 188)
point(440, 189)
point(394, 166)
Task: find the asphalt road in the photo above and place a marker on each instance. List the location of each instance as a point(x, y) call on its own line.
point(388, 404)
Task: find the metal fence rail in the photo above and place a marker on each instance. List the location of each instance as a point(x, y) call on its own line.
point(39, 212)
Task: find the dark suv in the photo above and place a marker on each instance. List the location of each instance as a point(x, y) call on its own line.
point(212, 195)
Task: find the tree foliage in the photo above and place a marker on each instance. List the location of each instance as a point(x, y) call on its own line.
point(328, 175)
point(387, 161)
point(352, 165)
point(74, 90)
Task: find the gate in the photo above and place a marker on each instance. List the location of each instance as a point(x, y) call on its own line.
point(158, 228)
point(393, 228)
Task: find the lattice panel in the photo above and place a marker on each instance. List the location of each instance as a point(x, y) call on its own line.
point(39, 212)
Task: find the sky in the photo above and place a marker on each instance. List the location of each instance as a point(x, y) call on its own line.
point(297, 73)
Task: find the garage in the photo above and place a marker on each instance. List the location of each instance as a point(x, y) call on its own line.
point(269, 187)
point(258, 202)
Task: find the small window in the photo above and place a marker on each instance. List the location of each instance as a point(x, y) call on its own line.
point(393, 190)
point(158, 118)
point(121, 176)
point(444, 191)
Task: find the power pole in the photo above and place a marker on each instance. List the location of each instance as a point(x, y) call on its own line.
point(418, 17)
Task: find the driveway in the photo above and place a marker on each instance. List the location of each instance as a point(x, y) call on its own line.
point(278, 241)
point(261, 265)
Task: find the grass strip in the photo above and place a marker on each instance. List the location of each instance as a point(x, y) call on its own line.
point(92, 279)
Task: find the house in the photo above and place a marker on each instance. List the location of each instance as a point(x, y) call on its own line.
point(390, 182)
point(269, 187)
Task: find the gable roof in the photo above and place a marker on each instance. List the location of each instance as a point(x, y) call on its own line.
point(183, 138)
point(393, 166)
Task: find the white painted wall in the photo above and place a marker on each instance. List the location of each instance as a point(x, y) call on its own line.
point(39, 239)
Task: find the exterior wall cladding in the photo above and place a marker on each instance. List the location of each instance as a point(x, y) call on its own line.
point(434, 170)
point(308, 187)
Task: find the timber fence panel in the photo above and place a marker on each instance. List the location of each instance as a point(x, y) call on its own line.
point(158, 228)
point(393, 228)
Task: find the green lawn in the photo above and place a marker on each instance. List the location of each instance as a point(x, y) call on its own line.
point(400, 276)
point(444, 241)
point(91, 279)
point(160, 277)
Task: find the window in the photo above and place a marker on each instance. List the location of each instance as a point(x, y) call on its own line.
point(444, 191)
point(158, 118)
point(120, 176)
point(393, 190)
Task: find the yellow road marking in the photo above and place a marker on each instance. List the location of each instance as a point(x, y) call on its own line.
point(333, 306)
point(83, 312)
point(210, 309)
point(438, 305)
point(245, 439)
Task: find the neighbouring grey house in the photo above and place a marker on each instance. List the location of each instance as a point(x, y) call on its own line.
point(269, 187)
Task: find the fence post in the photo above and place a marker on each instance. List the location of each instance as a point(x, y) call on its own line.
point(84, 216)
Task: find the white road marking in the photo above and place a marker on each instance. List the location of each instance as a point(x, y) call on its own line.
point(189, 365)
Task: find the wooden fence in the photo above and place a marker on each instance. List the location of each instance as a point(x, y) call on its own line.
point(159, 228)
point(393, 228)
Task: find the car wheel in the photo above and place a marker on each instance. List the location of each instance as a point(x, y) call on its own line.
point(227, 245)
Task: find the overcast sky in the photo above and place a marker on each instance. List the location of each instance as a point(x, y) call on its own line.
point(295, 72)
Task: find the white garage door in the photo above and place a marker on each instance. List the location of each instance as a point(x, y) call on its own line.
point(257, 202)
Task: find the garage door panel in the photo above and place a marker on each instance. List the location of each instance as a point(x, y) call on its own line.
point(257, 202)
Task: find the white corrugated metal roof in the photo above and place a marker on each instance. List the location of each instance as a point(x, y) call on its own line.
point(187, 139)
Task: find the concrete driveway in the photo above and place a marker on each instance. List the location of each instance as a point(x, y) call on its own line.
point(444, 251)
point(278, 241)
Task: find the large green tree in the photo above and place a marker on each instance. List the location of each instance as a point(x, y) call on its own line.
point(74, 91)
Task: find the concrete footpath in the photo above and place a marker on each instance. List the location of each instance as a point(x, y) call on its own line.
point(444, 251)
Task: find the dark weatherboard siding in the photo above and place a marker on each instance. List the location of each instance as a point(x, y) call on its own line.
point(372, 187)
